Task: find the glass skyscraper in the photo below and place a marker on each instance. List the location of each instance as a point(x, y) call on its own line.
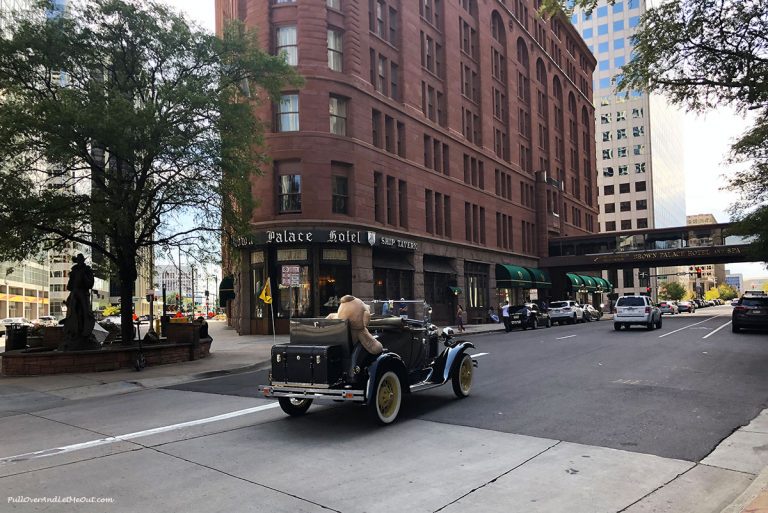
point(641, 178)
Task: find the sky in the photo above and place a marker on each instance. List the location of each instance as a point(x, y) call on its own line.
point(707, 140)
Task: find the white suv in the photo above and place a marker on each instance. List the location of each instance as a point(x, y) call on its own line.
point(565, 311)
point(636, 310)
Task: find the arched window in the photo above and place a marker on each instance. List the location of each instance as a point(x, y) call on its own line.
point(497, 28)
point(572, 104)
point(522, 52)
point(541, 73)
point(557, 90)
point(585, 118)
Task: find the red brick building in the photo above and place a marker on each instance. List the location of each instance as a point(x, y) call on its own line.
point(434, 149)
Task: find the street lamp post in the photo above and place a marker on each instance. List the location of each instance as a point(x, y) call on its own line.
point(192, 269)
point(151, 294)
point(207, 293)
point(165, 272)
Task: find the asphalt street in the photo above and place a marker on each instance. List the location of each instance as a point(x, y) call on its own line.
point(675, 392)
point(572, 418)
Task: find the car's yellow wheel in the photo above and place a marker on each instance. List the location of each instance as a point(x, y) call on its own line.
point(387, 398)
point(462, 377)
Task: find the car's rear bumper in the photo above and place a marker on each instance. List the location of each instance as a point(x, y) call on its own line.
point(757, 322)
point(558, 316)
point(633, 319)
point(316, 394)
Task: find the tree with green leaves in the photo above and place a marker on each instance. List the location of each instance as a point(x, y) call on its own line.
point(703, 55)
point(672, 290)
point(126, 128)
point(726, 292)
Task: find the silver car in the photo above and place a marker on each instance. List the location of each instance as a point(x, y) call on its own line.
point(14, 320)
point(669, 307)
point(636, 310)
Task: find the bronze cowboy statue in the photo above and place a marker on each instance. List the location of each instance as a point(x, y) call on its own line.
point(78, 325)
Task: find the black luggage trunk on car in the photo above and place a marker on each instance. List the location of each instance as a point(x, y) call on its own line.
point(317, 365)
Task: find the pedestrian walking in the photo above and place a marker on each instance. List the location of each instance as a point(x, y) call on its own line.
point(505, 317)
point(460, 319)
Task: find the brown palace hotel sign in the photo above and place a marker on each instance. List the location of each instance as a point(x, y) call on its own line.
point(339, 236)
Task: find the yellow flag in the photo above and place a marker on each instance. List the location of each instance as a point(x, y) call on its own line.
point(266, 293)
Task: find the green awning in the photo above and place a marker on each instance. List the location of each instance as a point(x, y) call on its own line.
point(227, 289)
point(610, 286)
point(602, 285)
point(456, 290)
point(589, 283)
point(513, 276)
point(540, 278)
point(576, 281)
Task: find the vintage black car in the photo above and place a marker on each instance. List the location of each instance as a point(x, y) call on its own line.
point(528, 315)
point(322, 362)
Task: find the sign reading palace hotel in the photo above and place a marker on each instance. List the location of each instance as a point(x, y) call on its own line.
point(338, 236)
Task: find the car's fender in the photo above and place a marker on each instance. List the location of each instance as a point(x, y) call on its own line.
point(383, 363)
point(454, 356)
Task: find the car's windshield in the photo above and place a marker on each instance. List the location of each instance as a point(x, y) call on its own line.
point(558, 304)
point(518, 308)
point(754, 301)
point(630, 301)
point(411, 309)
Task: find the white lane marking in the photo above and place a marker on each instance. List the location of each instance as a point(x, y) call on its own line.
point(477, 355)
point(130, 436)
point(686, 327)
point(718, 329)
point(568, 336)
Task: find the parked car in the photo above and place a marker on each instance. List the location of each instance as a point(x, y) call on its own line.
point(686, 306)
point(750, 313)
point(669, 307)
point(46, 320)
point(527, 316)
point(591, 313)
point(734, 301)
point(566, 311)
point(322, 362)
point(636, 310)
point(14, 320)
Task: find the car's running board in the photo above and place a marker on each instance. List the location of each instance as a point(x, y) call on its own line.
point(424, 386)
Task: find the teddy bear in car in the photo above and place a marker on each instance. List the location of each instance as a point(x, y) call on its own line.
point(358, 315)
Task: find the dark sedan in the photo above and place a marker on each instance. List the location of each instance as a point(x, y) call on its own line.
point(750, 313)
point(528, 316)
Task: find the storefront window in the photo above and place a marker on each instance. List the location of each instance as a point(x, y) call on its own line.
point(334, 282)
point(296, 301)
point(392, 284)
point(476, 277)
point(258, 307)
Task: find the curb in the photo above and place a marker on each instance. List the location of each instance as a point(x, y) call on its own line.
point(747, 502)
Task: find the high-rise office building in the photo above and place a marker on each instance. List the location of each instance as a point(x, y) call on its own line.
point(23, 285)
point(639, 136)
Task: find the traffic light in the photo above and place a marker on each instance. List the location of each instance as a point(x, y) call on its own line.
point(206, 293)
point(698, 272)
point(648, 290)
